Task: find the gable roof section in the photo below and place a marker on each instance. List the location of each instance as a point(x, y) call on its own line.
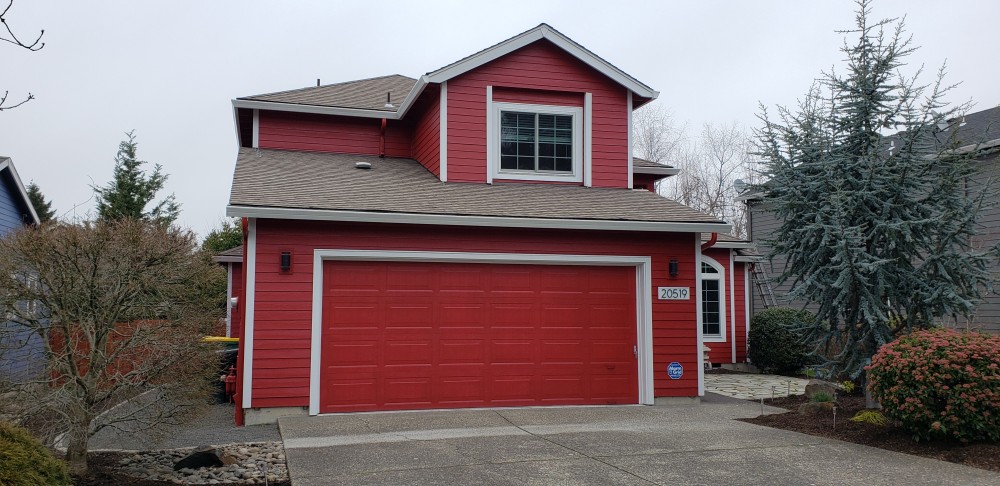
point(335, 100)
point(322, 186)
point(232, 255)
point(7, 168)
point(363, 94)
point(643, 166)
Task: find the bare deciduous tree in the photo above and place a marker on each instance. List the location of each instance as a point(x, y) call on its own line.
point(120, 308)
point(710, 168)
point(12, 38)
point(655, 136)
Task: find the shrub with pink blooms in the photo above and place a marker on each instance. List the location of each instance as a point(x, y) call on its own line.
point(940, 384)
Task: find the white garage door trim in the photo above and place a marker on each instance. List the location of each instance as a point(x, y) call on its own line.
point(643, 299)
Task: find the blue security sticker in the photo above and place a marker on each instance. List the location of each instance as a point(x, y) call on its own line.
point(675, 370)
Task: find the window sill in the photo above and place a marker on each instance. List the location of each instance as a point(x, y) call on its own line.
point(524, 176)
point(713, 339)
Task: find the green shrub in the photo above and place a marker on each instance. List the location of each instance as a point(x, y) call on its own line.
point(940, 383)
point(774, 346)
point(26, 462)
point(821, 397)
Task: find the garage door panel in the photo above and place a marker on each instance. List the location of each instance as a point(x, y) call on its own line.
point(463, 351)
point(444, 335)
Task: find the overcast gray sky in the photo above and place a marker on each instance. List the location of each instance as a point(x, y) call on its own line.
point(170, 69)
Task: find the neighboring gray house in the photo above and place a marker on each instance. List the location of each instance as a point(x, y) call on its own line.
point(982, 132)
point(20, 350)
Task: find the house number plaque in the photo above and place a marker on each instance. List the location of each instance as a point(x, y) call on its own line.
point(674, 293)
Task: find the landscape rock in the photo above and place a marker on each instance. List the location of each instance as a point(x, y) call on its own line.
point(817, 386)
point(251, 464)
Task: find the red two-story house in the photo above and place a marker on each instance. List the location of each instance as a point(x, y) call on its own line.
point(478, 237)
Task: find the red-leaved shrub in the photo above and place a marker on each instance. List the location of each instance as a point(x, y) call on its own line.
point(940, 383)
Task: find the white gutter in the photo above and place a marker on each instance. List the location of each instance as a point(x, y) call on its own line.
point(461, 220)
point(667, 171)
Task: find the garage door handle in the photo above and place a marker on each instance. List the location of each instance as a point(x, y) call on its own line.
point(635, 351)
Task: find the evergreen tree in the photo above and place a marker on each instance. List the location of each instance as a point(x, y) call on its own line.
point(875, 229)
point(228, 235)
point(131, 190)
point(42, 207)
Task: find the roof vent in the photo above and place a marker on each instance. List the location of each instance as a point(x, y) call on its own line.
point(388, 101)
point(363, 165)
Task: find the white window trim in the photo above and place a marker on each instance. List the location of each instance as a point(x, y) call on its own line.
point(721, 277)
point(578, 137)
point(644, 293)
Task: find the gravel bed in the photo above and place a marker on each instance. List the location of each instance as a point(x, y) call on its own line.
point(255, 463)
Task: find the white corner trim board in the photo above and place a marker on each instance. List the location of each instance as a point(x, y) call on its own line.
point(443, 115)
point(250, 271)
point(628, 95)
point(588, 139)
point(490, 135)
point(644, 291)
point(697, 313)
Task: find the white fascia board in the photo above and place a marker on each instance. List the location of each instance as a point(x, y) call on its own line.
point(462, 220)
point(749, 259)
point(9, 165)
point(236, 125)
point(542, 32)
point(319, 110)
point(415, 92)
point(666, 171)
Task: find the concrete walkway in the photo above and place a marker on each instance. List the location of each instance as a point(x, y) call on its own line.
point(754, 386)
point(614, 445)
point(214, 426)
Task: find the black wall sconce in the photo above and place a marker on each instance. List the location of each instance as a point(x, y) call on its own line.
point(286, 262)
point(673, 267)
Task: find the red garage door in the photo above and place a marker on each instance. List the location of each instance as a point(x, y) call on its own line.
point(403, 336)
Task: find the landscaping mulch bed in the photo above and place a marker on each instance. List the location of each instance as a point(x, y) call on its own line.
point(105, 470)
point(888, 437)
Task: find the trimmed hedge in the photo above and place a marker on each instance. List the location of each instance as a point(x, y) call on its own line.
point(940, 384)
point(774, 346)
point(26, 462)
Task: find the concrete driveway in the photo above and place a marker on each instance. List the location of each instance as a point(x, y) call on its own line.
point(626, 445)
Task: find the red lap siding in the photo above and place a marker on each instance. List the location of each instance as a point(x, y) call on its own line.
point(282, 318)
point(427, 136)
point(540, 73)
point(337, 134)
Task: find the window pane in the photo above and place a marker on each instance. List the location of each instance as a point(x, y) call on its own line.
point(508, 162)
point(564, 150)
point(706, 268)
point(711, 307)
point(546, 163)
point(525, 163)
point(524, 149)
point(508, 148)
point(564, 165)
point(564, 122)
point(546, 149)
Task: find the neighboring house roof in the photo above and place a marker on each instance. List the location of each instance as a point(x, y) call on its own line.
point(7, 168)
point(643, 166)
point(332, 100)
point(232, 255)
point(726, 240)
point(324, 186)
point(364, 94)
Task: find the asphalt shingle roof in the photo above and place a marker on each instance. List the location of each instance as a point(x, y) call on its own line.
point(367, 94)
point(312, 180)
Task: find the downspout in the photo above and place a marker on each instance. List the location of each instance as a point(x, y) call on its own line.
point(381, 140)
point(712, 240)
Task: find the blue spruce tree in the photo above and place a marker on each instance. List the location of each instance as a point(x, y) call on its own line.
point(874, 201)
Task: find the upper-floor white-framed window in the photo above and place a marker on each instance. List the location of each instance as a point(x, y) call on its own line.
point(713, 300)
point(537, 142)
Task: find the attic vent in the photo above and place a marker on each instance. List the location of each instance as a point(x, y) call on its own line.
point(363, 165)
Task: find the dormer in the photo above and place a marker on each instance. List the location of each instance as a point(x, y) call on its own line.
point(535, 108)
